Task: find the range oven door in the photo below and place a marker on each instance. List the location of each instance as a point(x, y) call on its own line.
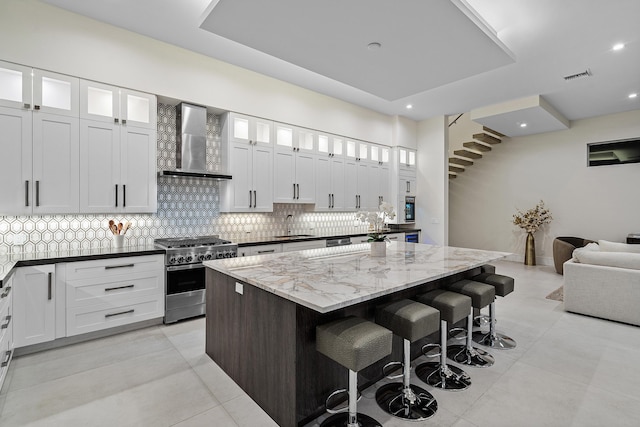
point(185, 292)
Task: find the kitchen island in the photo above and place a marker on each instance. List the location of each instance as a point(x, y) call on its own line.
point(262, 312)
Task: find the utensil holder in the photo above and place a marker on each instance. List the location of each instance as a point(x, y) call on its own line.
point(118, 240)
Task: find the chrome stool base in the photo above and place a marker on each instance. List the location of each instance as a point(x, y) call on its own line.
point(342, 420)
point(497, 341)
point(475, 357)
point(448, 377)
point(414, 404)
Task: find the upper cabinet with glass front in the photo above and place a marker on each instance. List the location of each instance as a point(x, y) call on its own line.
point(407, 158)
point(330, 145)
point(250, 130)
point(32, 89)
point(106, 103)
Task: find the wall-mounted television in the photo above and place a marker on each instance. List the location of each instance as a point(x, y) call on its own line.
point(613, 152)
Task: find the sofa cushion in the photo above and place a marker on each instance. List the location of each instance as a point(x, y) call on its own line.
point(611, 259)
point(606, 246)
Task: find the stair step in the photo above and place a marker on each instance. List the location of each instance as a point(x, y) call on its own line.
point(485, 137)
point(455, 168)
point(496, 133)
point(453, 175)
point(468, 154)
point(459, 161)
point(477, 146)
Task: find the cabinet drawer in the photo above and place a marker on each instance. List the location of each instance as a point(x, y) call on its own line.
point(115, 290)
point(81, 320)
point(5, 325)
point(114, 266)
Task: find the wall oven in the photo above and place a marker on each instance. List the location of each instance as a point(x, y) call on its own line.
point(409, 209)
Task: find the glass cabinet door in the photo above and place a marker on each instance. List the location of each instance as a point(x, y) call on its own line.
point(284, 136)
point(263, 130)
point(138, 109)
point(305, 139)
point(323, 145)
point(15, 86)
point(99, 102)
point(337, 145)
point(56, 93)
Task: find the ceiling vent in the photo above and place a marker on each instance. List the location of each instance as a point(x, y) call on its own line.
point(585, 73)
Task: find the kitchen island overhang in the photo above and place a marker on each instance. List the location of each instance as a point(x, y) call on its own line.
point(262, 312)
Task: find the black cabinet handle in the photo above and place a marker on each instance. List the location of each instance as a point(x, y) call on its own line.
point(111, 267)
point(124, 195)
point(255, 199)
point(37, 193)
point(116, 195)
point(115, 288)
point(7, 357)
point(6, 325)
point(26, 193)
point(49, 286)
point(294, 191)
point(119, 313)
point(250, 198)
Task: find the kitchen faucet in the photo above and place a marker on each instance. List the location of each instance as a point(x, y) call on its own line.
point(289, 224)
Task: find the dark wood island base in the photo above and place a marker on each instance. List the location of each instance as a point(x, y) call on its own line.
point(266, 344)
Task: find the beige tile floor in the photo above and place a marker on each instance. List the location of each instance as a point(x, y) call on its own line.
point(568, 370)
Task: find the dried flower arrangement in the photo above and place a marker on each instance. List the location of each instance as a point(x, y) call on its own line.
point(533, 219)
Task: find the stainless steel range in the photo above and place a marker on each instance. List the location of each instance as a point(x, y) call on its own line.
point(185, 274)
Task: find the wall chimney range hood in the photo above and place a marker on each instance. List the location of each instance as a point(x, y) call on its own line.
point(191, 153)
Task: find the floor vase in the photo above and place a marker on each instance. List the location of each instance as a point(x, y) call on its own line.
point(530, 250)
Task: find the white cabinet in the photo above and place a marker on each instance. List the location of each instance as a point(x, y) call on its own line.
point(407, 159)
point(102, 294)
point(111, 104)
point(294, 165)
point(274, 248)
point(301, 246)
point(6, 328)
point(39, 122)
point(34, 305)
point(117, 150)
point(247, 146)
point(403, 179)
point(330, 174)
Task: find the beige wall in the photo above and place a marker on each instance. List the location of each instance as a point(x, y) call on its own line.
point(595, 202)
point(42, 36)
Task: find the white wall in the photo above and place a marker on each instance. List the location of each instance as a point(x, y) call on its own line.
point(43, 36)
point(591, 202)
point(405, 132)
point(432, 203)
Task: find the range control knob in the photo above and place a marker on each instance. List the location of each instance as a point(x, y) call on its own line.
point(201, 257)
point(172, 260)
point(219, 255)
point(189, 258)
point(180, 260)
point(208, 256)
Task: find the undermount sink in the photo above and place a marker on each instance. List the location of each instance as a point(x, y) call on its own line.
point(293, 236)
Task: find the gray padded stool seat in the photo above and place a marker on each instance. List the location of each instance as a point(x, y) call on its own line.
point(503, 285)
point(355, 344)
point(453, 307)
point(481, 296)
point(410, 320)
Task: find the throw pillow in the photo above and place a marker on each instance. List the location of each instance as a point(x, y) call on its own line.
point(606, 246)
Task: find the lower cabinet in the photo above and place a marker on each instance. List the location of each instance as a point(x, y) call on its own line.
point(62, 300)
point(34, 305)
point(6, 328)
point(103, 294)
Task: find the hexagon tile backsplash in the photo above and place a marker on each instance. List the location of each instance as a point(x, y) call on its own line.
point(186, 207)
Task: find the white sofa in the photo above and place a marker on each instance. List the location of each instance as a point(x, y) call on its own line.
point(604, 281)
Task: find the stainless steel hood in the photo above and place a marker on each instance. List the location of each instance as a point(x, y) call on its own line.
point(191, 153)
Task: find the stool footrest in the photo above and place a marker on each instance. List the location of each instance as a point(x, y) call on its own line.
point(391, 367)
point(333, 409)
point(427, 347)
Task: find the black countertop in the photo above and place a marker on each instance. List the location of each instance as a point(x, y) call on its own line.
point(10, 261)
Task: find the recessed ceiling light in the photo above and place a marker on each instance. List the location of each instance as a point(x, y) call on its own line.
point(633, 95)
point(409, 106)
point(374, 46)
point(523, 125)
point(618, 46)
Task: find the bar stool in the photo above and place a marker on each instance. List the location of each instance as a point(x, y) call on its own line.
point(411, 321)
point(503, 285)
point(453, 307)
point(355, 344)
point(481, 296)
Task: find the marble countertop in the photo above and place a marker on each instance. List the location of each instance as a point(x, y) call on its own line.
point(256, 241)
point(10, 261)
point(328, 279)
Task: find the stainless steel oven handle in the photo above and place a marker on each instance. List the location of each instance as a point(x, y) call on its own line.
point(184, 267)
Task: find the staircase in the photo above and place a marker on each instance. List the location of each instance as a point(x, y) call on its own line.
point(473, 150)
